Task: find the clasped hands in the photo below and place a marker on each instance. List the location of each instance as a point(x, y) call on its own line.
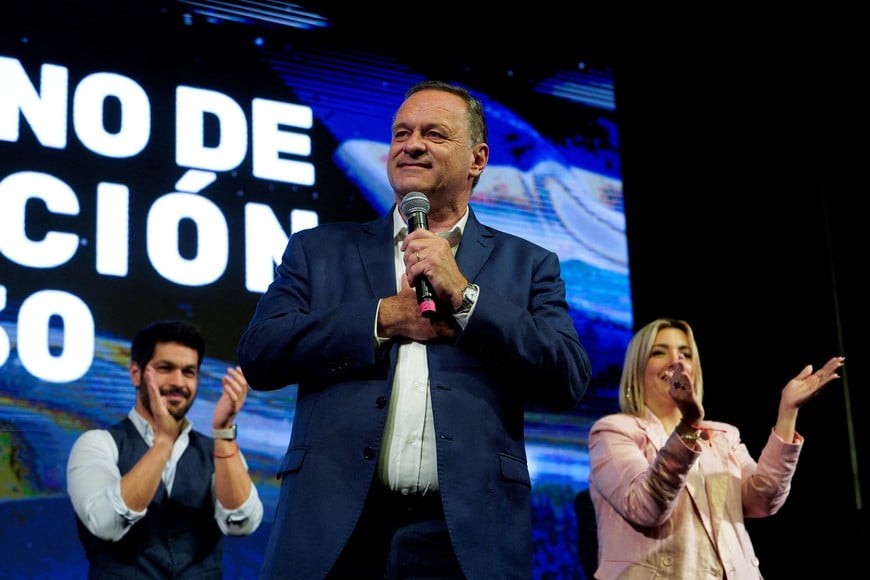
point(234, 392)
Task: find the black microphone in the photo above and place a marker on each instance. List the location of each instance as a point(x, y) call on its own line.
point(415, 207)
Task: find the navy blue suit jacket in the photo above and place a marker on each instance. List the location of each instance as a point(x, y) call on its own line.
point(315, 327)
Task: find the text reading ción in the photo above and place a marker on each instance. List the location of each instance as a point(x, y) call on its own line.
point(279, 152)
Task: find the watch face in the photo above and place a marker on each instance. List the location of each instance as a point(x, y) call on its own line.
point(469, 295)
point(229, 433)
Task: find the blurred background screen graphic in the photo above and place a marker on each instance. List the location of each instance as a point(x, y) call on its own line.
point(156, 156)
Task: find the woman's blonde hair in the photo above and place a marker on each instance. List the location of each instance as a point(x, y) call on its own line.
point(631, 393)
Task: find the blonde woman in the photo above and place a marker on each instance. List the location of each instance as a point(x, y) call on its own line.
point(671, 489)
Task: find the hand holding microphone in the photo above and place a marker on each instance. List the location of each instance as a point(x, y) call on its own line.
point(415, 208)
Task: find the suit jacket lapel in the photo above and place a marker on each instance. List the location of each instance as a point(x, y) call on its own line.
point(475, 247)
point(708, 488)
point(376, 251)
point(716, 483)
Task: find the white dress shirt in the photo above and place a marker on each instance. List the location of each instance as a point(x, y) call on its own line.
point(408, 462)
point(94, 485)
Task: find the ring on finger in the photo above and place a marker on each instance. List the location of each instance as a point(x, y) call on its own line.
point(418, 255)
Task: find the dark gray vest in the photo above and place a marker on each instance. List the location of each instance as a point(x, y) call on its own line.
point(178, 537)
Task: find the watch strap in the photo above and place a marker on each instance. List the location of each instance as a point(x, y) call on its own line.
point(688, 434)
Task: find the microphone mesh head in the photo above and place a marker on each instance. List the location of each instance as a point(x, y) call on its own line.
point(415, 201)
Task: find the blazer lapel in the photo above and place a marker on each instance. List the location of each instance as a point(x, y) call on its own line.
point(717, 486)
point(376, 251)
point(708, 487)
point(475, 247)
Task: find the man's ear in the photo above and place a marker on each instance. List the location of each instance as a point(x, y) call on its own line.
point(481, 158)
point(135, 374)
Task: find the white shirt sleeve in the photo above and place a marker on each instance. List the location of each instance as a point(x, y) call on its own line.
point(94, 486)
point(241, 521)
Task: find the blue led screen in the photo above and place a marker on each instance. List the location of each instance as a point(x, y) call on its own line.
point(157, 170)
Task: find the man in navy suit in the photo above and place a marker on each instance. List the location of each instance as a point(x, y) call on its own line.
point(407, 454)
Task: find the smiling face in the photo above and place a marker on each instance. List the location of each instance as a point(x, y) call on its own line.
point(430, 150)
point(175, 371)
point(670, 347)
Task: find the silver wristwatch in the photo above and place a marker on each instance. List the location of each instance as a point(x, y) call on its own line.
point(228, 434)
point(469, 296)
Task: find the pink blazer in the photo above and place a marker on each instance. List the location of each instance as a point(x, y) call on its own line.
point(681, 514)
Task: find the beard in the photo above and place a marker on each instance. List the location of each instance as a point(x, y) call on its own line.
point(177, 410)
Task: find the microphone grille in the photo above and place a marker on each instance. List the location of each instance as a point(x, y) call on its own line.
point(415, 201)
